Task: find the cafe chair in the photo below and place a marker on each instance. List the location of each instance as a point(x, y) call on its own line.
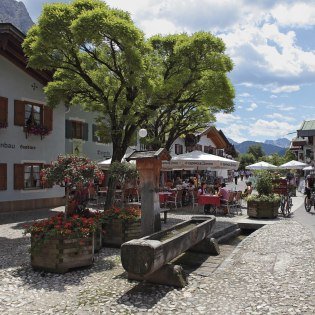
point(175, 199)
point(238, 202)
point(229, 203)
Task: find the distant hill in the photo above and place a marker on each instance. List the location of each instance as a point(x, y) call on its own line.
point(267, 148)
point(282, 142)
point(15, 12)
point(233, 142)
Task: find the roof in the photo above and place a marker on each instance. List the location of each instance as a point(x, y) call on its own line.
point(137, 155)
point(307, 129)
point(11, 40)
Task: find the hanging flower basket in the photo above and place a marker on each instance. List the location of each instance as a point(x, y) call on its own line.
point(3, 125)
point(37, 130)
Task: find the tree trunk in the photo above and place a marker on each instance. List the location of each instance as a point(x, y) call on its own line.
point(118, 154)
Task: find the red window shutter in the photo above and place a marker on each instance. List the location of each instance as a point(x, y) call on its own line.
point(48, 118)
point(18, 176)
point(3, 176)
point(3, 110)
point(19, 113)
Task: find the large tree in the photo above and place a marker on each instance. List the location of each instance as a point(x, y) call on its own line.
point(101, 61)
point(97, 55)
point(256, 150)
point(190, 85)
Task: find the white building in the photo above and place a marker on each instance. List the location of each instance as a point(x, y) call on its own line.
point(23, 115)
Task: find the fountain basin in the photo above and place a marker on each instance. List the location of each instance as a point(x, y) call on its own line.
point(148, 254)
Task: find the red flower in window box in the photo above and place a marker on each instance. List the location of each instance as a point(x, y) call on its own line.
point(37, 130)
point(3, 125)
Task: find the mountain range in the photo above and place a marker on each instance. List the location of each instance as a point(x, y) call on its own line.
point(15, 12)
point(269, 146)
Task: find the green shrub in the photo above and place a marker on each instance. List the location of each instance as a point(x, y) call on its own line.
point(264, 183)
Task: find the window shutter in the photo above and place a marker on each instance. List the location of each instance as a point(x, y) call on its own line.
point(3, 110)
point(85, 131)
point(94, 129)
point(19, 113)
point(48, 118)
point(68, 129)
point(3, 176)
point(18, 176)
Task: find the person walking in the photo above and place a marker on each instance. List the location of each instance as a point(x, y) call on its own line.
point(235, 177)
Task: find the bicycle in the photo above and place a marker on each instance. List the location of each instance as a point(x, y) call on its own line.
point(309, 202)
point(282, 188)
point(286, 203)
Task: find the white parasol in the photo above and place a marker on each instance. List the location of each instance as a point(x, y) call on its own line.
point(261, 166)
point(293, 165)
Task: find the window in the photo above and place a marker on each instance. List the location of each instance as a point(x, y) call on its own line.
point(28, 114)
point(3, 112)
point(76, 130)
point(32, 176)
point(198, 147)
point(208, 149)
point(32, 115)
point(3, 176)
point(178, 149)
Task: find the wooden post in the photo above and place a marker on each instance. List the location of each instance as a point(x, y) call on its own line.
point(149, 172)
point(149, 164)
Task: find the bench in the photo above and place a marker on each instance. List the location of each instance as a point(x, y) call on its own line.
point(164, 211)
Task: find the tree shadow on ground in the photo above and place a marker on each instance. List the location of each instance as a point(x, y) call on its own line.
point(38, 280)
point(144, 295)
point(25, 216)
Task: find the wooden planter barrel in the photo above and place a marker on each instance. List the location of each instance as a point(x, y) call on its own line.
point(118, 231)
point(97, 238)
point(60, 255)
point(262, 209)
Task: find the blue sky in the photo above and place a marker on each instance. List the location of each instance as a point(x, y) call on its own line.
point(270, 42)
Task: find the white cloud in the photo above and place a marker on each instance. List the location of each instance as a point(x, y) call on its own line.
point(251, 107)
point(286, 89)
point(244, 95)
point(236, 132)
point(274, 128)
point(226, 118)
point(298, 14)
point(273, 96)
point(280, 116)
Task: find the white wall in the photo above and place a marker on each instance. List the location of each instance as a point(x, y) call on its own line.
point(93, 150)
point(15, 84)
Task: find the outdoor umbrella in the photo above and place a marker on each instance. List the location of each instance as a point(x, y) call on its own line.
point(293, 165)
point(261, 166)
point(200, 161)
point(308, 168)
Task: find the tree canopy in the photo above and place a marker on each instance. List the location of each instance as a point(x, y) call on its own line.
point(190, 85)
point(168, 84)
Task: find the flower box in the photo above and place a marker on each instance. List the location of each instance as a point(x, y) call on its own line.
point(60, 255)
point(262, 209)
point(118, 231)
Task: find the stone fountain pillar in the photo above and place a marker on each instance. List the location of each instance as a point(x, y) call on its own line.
point(149, 164)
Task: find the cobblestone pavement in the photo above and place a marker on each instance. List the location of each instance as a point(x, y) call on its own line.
point(269, 272)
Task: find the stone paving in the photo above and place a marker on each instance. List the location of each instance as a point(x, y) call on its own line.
point(269, 272)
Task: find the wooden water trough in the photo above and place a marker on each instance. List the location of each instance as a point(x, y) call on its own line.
point(148, 258)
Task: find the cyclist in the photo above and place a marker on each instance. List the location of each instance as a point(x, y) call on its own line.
point(309, 185)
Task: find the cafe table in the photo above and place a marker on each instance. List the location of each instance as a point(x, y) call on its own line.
point(212, 200)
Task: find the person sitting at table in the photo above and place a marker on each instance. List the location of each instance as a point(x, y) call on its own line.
point(202, 190)
point(224, 195)
point(248, 190)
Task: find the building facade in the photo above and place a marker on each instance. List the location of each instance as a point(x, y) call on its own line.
point(31, 134)
point(304, 144)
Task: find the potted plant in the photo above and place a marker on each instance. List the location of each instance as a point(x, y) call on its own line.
point(265, 204)
point(120, 225)
point(66, 240)
point(37, 130)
